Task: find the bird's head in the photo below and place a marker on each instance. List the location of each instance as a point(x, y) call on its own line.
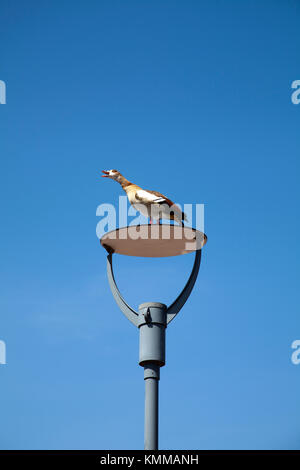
point(113, 174)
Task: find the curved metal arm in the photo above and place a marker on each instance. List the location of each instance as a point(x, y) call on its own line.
point(172, 310)
point(131, 314)
point(177, 305)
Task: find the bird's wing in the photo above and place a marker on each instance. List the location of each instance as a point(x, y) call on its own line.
point(152, 197)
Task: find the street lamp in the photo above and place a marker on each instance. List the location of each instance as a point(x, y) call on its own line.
point(152, 318)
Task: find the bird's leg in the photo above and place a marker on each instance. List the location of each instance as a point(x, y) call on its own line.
point(150, 220)
point(159, 221)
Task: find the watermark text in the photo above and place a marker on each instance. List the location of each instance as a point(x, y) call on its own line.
point(2, 92)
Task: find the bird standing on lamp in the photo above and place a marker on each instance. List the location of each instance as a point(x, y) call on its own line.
point(151, 204)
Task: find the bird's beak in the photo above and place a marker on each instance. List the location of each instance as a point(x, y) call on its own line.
point(106, 174)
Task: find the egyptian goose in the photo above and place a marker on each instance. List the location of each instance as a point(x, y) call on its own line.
point(151, 204)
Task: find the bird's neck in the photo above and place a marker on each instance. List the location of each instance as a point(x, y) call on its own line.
point(124, 182)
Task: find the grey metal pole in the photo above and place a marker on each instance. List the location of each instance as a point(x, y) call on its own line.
point(151, 376)
point(152, 323)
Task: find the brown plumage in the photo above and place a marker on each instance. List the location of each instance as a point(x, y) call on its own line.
point(152, 204)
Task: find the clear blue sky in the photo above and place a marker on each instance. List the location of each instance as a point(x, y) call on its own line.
point(191, 98)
